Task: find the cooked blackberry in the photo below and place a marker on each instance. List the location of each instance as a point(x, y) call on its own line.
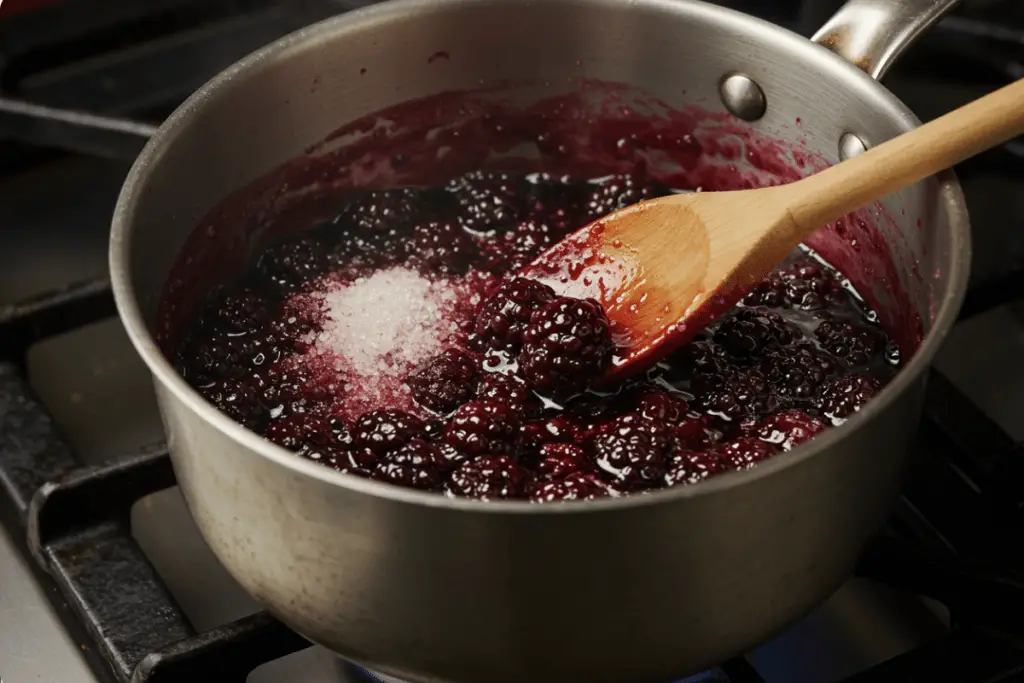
point(844, 396)
point(858, 345)
point(489, 477)
point(503, 318)
point(618, 192)
point(575, 486)
point(417, 465)
point(489, 201)
point(632, 453)
point(292, 262)
point(567, 344)
point(483, 427)
point(445, 382)
point(382, 431)
point(749, 332)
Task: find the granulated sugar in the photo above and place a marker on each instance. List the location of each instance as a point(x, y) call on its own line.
point(379, 328)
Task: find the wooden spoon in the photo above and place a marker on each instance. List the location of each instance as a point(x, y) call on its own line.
point(664, 268)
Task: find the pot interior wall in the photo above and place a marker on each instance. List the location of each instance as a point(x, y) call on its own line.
point(282, 137)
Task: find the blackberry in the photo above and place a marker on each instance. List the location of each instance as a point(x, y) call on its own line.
point(632, 452)
point(379, 212)
point(290, 263)
point(382, 431)
point(558, 460)
point(769, 292)
point(712, 406)
point(694, 432)
point(361, 462)
point(483, 427)
point(335, 460)
point(745, 452)
point(353, 255)
point(448, 455)
point(619, 192)
point(559, 205)
point(797, 372)
point(442, 247)
point(296, 327)
point(309, 435)
point(283, 389)
point(561, 221)
point(377, 228)
point(699, 357)
point(691, 467)
point(855, 344)
point(735, 394)
point(238, 400)
point(749, 332)
point(504, 316)
point(575, 486)
point(445, 382)
point(811, 287)
point(488, 477)
point(518, 247)
point(844, 396)
point(788, 429)
point(509, 390)
point(555, 429)
point(567, 344)
point(592, 414)
point(218, 356)
point(489, 201)
point(240, 310)
point(416, 465)
point(663, 406)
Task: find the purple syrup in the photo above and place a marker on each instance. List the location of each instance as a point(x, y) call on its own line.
point(394, 342)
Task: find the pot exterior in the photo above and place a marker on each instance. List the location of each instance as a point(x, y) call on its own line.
point(432, 590)
point(641, 594)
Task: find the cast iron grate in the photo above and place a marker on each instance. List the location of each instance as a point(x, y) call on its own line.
point(79, 62)
point(955, 537)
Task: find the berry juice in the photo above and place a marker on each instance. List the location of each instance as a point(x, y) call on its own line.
point(395, 342)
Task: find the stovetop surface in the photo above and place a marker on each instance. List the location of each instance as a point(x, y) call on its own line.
point(53, 232)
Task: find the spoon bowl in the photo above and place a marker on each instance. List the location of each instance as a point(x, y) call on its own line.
point(659, 273)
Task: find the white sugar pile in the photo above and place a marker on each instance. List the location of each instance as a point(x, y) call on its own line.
point(380, 327)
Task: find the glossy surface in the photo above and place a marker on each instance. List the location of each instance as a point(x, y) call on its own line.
point(874, 33)
point(368, 569)
point(500, 407)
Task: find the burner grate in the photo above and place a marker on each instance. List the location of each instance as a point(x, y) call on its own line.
point(955, 536)
point(75, 63)
point(75, 521)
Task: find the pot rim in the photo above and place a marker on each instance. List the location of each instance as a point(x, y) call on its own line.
point(123, 231)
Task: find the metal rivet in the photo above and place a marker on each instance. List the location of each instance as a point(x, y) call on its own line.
point(743, 97)
point(850, 146)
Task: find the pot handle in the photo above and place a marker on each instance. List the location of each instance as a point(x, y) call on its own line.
point(872, 34)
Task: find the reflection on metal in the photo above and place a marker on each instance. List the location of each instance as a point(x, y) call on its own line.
point(103, 136)
point(743, 97)
point(850, 146)
point(873, 34)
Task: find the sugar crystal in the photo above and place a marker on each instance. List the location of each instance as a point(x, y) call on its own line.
point(377, 329)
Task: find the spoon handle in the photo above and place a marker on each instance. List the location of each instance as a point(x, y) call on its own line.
point(907, 159)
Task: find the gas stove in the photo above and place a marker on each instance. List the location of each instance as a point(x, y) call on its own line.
point(103, 575)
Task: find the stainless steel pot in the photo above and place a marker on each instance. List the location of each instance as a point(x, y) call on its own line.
point(640, 588)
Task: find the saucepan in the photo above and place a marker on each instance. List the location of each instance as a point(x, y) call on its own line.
point(639, 588)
